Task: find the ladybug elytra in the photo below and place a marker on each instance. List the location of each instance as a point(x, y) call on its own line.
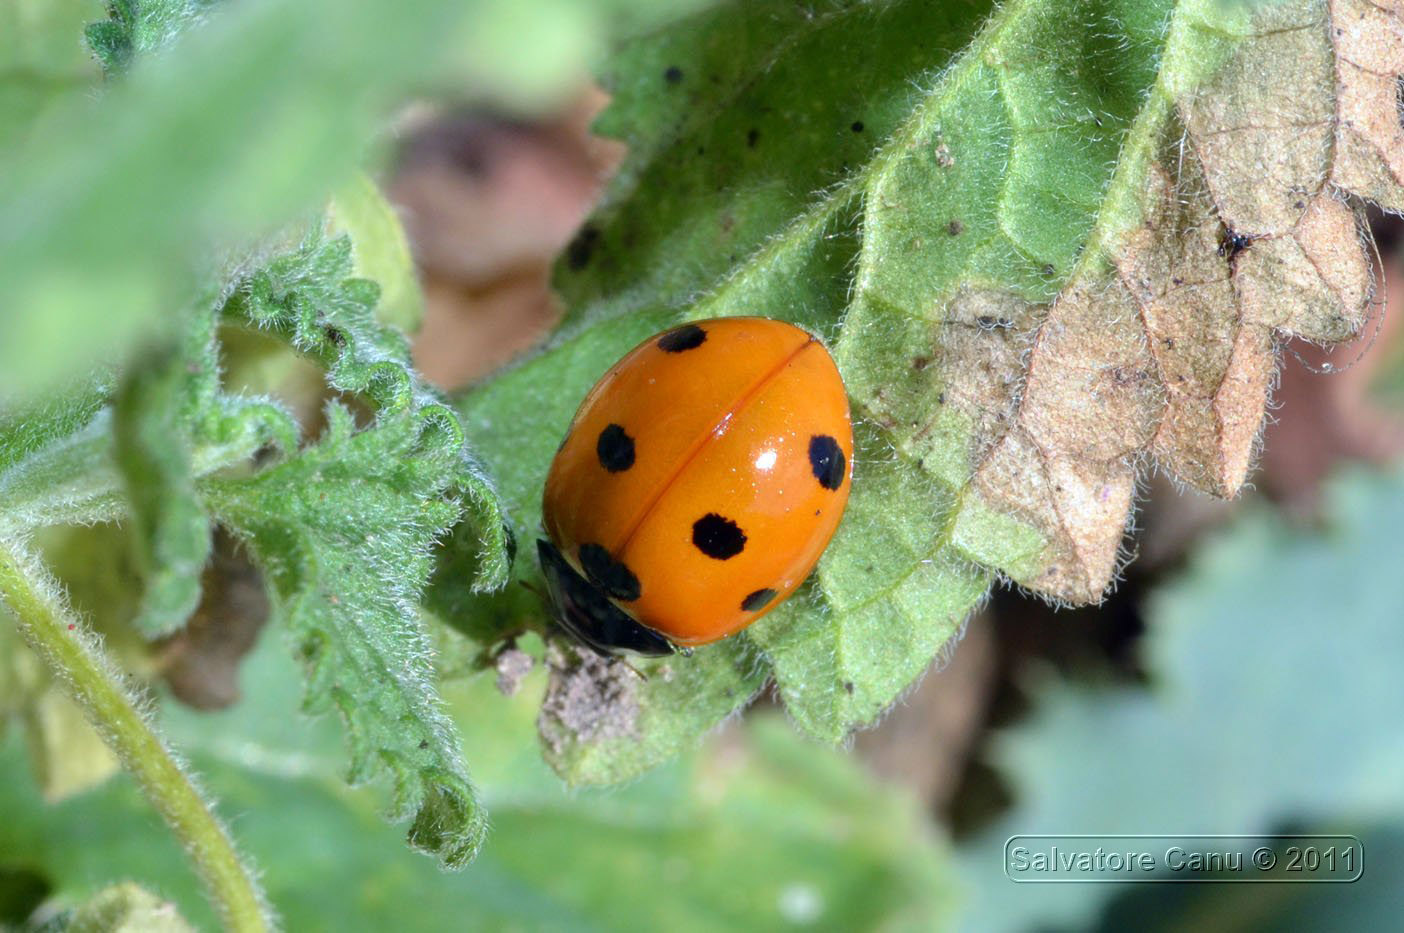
point(697, 486)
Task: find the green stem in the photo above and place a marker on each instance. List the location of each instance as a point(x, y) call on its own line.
point(72, 654)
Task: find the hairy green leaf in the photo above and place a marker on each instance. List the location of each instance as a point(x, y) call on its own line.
point(1276, 663)
point(343, 532)
point(135, 28)
point(153, 449)
point(55, 460)
point(989, 214)
point(308, 297)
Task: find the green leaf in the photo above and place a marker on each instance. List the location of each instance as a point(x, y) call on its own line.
point(381, 253)
point(759, 831)
point(24, 429)
point(55, 459)
point(1273, 639)
point(885, 604)
point(343, 532)
point(135, 28)
point(309, 298)
point(170, 530)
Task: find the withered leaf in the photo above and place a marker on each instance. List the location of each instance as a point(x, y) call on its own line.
point(1236, 227)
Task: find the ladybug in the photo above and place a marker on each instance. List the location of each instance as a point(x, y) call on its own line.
point(698, 484)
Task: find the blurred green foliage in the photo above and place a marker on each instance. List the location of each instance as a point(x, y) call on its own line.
point(1274, 699)
point(758, 830)
point(236, 128)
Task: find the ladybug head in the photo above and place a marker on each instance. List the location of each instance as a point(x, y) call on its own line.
point(583, 610)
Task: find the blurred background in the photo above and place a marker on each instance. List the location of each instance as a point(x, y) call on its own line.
point(1244, 677)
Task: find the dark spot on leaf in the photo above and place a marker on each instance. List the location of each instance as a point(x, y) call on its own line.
point(920, 362)
point(752, 137)
point(857, 126)
point(990, 322)
point(827, 461)
point(1231, 242)
point(673, 74)
point(848, 686)
point(955, 228)
point(687, 337)
point(1048, 269)
point(581, 248)
point(336, 336)
point(718, 537)
point(941, 398)
point(615, 448)
point(759, 599)
point(609, 574)
point(423, 743)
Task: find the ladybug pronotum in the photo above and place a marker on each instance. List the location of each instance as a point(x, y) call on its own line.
point(698, 484)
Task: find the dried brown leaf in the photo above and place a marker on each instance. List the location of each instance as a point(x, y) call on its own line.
point(1164, 348)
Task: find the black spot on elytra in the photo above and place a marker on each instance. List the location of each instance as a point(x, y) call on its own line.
point(718, 537)
point(857, 126)
point(759, 599)
point(615, 448)
point(687, 337)
point(609, 574)
point(752, 137)
point(827, 461)
point(582, 247)
point(673, 74)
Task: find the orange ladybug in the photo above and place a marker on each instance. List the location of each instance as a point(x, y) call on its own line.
point(698, 484)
